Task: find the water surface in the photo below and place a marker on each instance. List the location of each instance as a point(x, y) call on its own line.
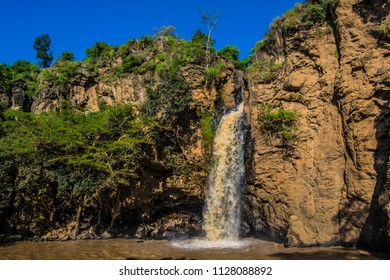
point(131, 249)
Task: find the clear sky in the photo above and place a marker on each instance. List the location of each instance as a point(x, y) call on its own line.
point(75, 25)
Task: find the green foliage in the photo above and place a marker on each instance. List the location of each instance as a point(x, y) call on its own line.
point(280, 123)
point(24, 73)
point(195, 50)
point(42, 47)
point(267, 68)
point(229, 52)
point(214, 72)
point(232, 53)
point(310, 13)
point(314, 13)
point(66, 56)
point(384, 29)
point(52, 162)
point(100, 50)
point(269, 39)
point(200, 39)
point(5, 78)
point(146, 42)
point(245, 63)
point(169, 101)
point(208, 132)
point(129, 64)
point(61, 74)
point(292, 18)
point(165, 31)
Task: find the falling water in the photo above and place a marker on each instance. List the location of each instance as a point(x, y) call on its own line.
point(222, 209)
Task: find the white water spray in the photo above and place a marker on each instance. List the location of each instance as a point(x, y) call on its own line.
point(222, 210)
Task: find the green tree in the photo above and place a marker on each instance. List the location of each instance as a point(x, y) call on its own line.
point(42, 47)
point(5, 78)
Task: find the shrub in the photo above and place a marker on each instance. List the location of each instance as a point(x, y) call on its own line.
point(145, 42)
point(213, 72)
point(25, 73)
point(169, 101)
point(245, 63)
point(314, 13)
point(165, 31)
point(61, 74)
point(280, 123)
point(292, 18)
point(384, 29)
point(229, 52)
point(66, 56)
point(129, 64)
point(208, 132)
point(267, 69)
point(5, 78)
point(100, 50)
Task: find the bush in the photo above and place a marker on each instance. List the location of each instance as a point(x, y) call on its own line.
point(61, 74)
point(267, 68)
point(145, 42)
point(66, 56)
point(292, 18)
point(25, 73)
point(5, 78)
point(214, 72)
point(384, 29)
point(314, 13)
point(100, 50)
point(168, 103)
point(280, 123)
point(129, 64)
point(206, 124)
point(165, 31)
point(229, 52)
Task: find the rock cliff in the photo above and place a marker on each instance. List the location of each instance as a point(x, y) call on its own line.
point(328, 186)
point(317, 157)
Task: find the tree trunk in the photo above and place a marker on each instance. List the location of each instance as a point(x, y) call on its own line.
point(78, 216)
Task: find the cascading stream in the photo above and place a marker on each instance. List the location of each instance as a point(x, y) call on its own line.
point(222, 209)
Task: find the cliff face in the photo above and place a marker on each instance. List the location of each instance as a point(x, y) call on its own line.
point(328, 186)
point(317, 160)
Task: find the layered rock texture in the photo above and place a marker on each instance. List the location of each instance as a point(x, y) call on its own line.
point(328, 186)
point(317, 156)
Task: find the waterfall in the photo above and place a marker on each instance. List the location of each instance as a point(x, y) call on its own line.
point(222, 208)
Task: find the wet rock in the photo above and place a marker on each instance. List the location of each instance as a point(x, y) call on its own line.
point(170, 227)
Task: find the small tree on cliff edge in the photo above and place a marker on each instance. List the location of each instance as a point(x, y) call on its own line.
point(210, 21)
point(44, 54)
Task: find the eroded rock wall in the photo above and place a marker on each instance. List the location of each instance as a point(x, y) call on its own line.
point(323, 188)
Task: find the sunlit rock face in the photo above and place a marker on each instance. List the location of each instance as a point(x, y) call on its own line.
point(329, 186)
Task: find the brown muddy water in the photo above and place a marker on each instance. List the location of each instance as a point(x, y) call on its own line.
point(133, 249)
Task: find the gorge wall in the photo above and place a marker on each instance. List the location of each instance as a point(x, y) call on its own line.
point(329, 186)
point(317, 157)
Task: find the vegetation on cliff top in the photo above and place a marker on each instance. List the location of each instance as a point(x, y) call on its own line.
point(303, 14)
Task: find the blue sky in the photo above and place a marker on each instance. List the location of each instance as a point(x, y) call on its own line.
point(76, 25)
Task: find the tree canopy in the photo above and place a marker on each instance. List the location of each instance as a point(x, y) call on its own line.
point(42, 47)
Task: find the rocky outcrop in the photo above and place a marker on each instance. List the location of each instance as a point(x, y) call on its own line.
point(89, 93)
point(329, 185)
